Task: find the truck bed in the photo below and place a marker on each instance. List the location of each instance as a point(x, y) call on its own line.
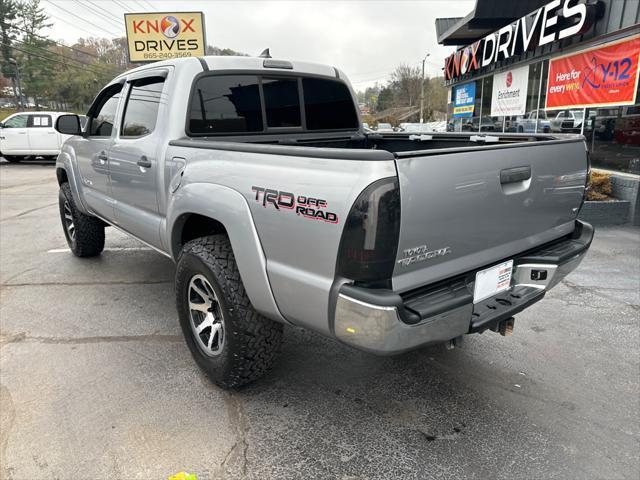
point(477, 198)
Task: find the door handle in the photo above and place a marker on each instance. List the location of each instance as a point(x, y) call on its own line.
point(144, 162)
point(513, 175)
point(102, 156)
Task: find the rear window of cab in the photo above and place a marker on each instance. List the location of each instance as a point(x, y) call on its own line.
point(239, 104)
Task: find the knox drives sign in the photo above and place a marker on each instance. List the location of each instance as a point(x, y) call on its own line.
point(600, 76)
point(554, 21)
point(161, 36)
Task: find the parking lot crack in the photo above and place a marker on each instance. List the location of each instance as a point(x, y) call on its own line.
point(238, 418)
point(26, 212)
point(82, 284)
point(23, 337)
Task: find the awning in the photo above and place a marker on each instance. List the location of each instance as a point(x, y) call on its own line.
point(487, 16)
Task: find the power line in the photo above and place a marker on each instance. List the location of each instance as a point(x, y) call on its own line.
point(75, 26)
point(78, 67)
point(150, 5)
point(124, 7)
point(141, 5)
point(100, 14)
point(107, 68)
point(105, 12)
point(84, 20)
point(58, 43)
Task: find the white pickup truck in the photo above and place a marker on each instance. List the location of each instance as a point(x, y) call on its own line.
point(255, 176)
point(30, 134)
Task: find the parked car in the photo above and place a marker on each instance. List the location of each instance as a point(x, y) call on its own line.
point(627, 126)
point(416, 128)
point(281, 211)
point(473, 125)
point(531, 120)
point(30, 134)
point(384, 128)
point(567, 121)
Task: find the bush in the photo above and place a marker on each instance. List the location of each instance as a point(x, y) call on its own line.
point(599, 186)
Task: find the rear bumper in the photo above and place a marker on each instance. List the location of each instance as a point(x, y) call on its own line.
point(384, 322)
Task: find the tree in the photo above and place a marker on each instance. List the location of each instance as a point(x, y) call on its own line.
point(211, 50)
point(385, 99)
point(437, 99)
point(406, 81)
point(33, 48)
point(8, 14)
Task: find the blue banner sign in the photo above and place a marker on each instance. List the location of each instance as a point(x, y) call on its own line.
point(464, 98)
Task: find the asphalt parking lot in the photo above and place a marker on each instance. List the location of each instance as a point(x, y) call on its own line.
point(96, 381)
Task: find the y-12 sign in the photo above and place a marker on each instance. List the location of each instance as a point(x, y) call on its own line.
point(600, 76)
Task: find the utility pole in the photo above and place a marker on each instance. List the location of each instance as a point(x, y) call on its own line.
point(13, 61)
point(422, 90)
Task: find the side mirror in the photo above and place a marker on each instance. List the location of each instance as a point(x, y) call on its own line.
point(68, 125)
point(1, 125)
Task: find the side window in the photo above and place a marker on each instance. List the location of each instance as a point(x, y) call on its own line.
point(102, 121)
point(19, 121)
point(328, 104)
point(282, 102)
point(141, 111)
point(225, 104)
point(37, 121)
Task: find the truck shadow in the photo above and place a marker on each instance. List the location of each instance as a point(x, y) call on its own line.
point(361, 413)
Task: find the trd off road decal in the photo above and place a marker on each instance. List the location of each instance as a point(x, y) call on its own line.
point(308, 207)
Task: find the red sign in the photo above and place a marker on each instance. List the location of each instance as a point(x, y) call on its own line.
point(600, 76)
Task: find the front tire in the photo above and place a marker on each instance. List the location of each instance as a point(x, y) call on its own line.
point(84, 233)
point(231, 342)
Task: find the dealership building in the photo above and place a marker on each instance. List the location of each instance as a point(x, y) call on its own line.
point(559, 66)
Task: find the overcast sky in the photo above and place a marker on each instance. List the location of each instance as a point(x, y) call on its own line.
point(365, 39)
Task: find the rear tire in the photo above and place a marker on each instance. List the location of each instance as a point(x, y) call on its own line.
point(231, 342)
point(14, 158)
point(84, 233)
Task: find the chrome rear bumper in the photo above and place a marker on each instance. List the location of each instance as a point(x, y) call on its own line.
point(386, 323)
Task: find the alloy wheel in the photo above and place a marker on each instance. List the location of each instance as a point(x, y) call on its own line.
point(206, 318)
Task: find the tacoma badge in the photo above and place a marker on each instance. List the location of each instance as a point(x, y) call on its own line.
point(420, 254)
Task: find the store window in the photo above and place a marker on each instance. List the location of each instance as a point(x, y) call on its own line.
point(613, 137)
point(489, 123)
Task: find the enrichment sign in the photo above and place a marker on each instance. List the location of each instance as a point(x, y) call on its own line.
point(600, 76)
point(160, 36)
point(464, 99)
point(509, 94)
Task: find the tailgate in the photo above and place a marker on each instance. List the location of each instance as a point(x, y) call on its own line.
point(467, 208)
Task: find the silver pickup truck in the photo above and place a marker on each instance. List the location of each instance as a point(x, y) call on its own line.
point(255, 176)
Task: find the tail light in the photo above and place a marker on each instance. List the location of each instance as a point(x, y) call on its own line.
point(369, 240)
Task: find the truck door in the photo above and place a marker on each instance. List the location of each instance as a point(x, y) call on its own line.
point(134, 165)
point(43, 138)
point(92, 151)
point(14, 138)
